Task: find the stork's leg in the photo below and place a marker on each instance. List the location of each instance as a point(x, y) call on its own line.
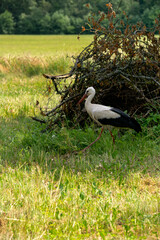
point(94, 141)
point(111, 135)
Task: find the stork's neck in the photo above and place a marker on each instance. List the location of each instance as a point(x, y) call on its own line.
point(89, 99)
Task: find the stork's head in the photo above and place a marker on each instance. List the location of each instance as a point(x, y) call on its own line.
point(89, 91)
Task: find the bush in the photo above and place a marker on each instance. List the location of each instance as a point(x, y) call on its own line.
point(122, 64)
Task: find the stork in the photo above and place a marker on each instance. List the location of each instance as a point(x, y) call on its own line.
point(105, 116)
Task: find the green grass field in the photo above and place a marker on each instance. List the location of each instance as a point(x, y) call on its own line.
point(42, 45)
point(111, 192)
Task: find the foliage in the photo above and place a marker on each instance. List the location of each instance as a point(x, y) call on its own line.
point(149, 15)
point(122, 63)
point(31, 17)
point(31, 23)
point(61, 23)
point(6, 23)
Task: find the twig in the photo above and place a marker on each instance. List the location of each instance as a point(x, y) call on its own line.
point(38, 120)
point(57, 76)
point(144, 77)
point(63, 102)
point(135, 87)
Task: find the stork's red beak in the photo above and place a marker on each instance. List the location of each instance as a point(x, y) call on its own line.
point(81, 100)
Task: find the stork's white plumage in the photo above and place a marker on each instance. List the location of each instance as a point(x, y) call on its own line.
point(104, 115)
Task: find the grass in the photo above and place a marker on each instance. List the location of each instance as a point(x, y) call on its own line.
point(111, 192)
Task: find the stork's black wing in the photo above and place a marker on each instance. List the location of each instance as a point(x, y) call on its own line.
point(122, 120)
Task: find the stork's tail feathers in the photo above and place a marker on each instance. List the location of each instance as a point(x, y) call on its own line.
point(135, 125)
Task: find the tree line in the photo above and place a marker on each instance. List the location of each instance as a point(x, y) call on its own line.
point(67, 17)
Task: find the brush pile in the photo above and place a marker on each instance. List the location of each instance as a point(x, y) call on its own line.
point(122, 63)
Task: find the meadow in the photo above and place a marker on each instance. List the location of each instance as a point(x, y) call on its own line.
point(110, 192)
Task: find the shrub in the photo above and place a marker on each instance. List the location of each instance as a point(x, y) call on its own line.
point(122, 64)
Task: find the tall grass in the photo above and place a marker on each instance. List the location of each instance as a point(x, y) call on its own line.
point(47, 192)
point(33, 55)
point(31, 66)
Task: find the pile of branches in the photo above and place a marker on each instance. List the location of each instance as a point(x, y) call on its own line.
point(122, 63)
